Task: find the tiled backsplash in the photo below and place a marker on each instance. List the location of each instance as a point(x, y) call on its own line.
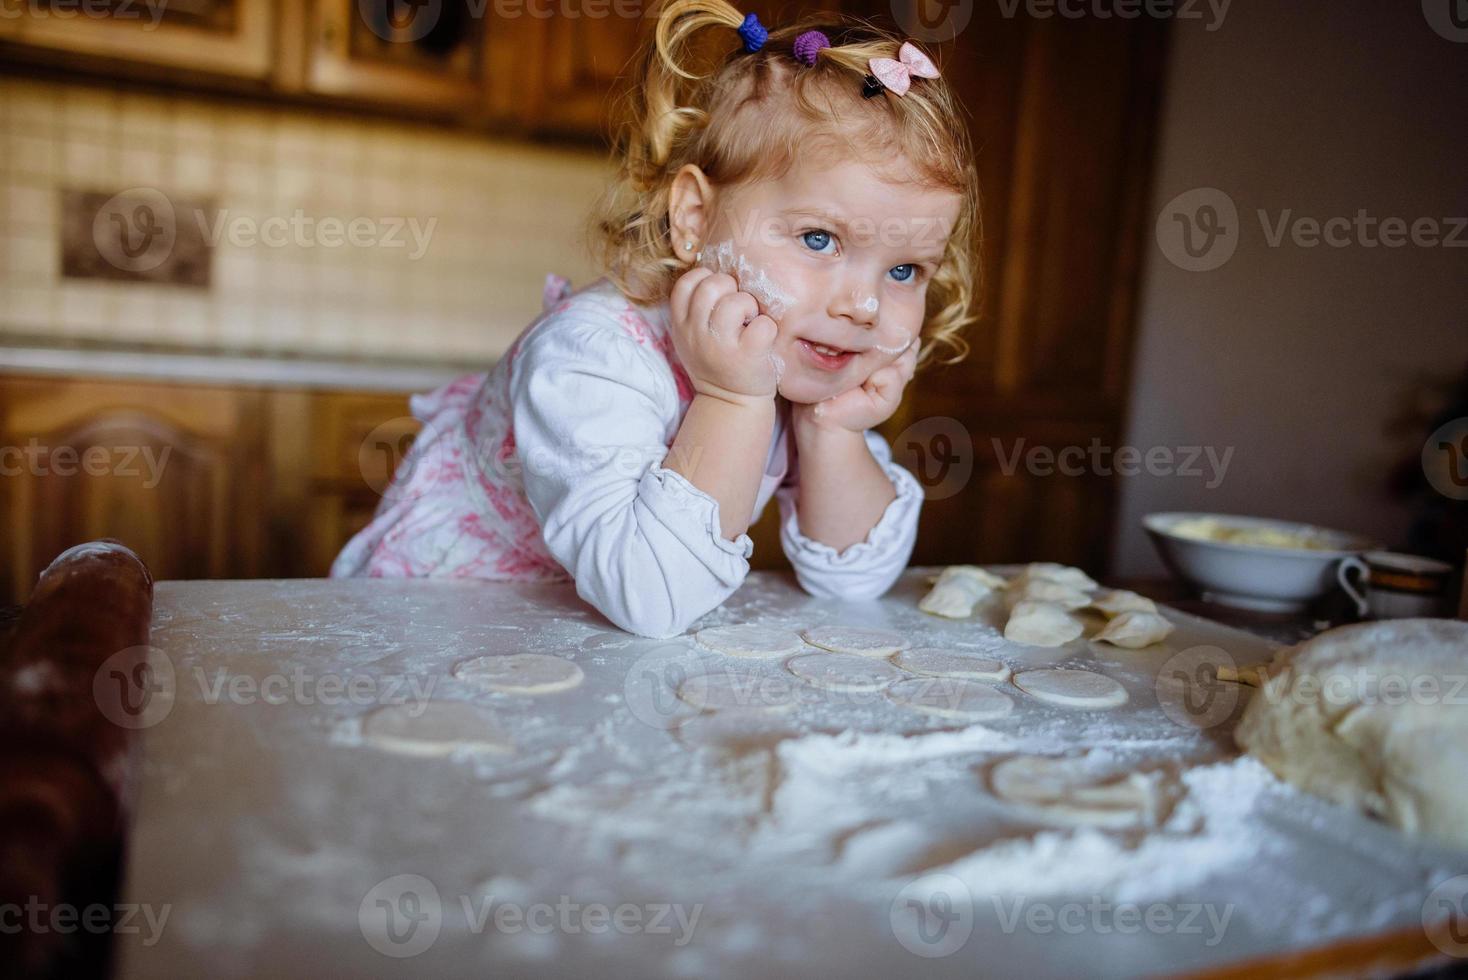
point(331, 235)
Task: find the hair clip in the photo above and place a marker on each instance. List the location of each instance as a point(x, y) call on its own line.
point(897, 74)
point(807, 44)
point(871, 87)
point(753, 32)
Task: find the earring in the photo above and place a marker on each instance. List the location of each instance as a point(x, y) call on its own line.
point(687, 246)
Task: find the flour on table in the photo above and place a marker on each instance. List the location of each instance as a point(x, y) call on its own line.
point(1071, 688)
point(438, 728)
point(751, 640)
point(745, 692)
point(950, 697)
point(937, 662)
point(843, 671)
point(521, 673)
point(860, 640)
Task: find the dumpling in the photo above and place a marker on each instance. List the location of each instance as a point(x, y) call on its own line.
point(1135, 629)
point(1049, 571)
point(958, 589)
point(1041, 590)
point(1041, 624)
point(1114, 602)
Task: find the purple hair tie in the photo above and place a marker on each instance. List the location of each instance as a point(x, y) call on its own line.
point(807, 44)
point(754, 33)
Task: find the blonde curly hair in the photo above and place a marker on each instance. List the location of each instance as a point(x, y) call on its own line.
point(697, 97)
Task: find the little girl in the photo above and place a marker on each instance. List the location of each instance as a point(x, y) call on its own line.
point(790, 224)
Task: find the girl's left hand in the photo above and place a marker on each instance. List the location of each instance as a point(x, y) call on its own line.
point(870, 403)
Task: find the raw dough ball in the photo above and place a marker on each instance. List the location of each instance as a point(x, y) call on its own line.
point(521, 673)
point(1071, 688)
point(856, 639)
point(959, 588)
point(1040, 590)
point(750, 640)
point(1117, 601)
point(949, 697)
point(437, 728)
point(843, 671)
point(742, 692)
point(943, 663)
point(1373, 716)
point(1048, 571)
point(1135, 629)
point(1041, 624)
point(1070, 791)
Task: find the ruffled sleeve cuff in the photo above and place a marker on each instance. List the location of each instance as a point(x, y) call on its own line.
point(692, 517)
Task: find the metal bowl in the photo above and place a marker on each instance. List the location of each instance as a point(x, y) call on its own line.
point(1252, 576)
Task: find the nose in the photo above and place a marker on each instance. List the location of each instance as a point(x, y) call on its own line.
point(857, 303)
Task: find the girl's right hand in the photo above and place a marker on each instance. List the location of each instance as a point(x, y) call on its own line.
point(725, 343)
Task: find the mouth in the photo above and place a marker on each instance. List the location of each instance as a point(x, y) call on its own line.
point(825, 357)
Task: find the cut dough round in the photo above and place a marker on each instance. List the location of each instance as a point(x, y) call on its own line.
point(1071, 688)
point(1372, 717)
point(751, 640)
point(437, 728)
point(843, 671)
point(860, 640)
point(521, 673)
point(936, 662)
point(1069, 791)
point(1114, 602)
point(950, 697)
point(1049, 571)
point(1042, 624)
point(1135, 629)
point(742, 692)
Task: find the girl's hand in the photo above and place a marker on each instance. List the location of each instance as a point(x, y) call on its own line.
point(725, 343)
point(865, 406)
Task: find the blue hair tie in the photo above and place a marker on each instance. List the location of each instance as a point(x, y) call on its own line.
point(754, 33)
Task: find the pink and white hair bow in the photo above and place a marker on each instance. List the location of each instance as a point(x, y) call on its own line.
point(897, 74)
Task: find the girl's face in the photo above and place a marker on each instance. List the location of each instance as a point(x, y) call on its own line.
point(840, 258)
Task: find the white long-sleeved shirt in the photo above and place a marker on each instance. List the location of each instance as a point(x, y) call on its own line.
point(552, 465)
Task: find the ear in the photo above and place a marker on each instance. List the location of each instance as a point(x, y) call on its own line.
point(690, 212)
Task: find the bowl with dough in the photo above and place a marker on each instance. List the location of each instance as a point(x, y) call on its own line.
point(1252, 562)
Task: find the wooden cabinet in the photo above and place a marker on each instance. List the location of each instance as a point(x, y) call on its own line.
point(203, 482)
point(230, 38)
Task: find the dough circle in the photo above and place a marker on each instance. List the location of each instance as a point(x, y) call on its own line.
point(843, 672)
point(437, 728)
point(1066, 790)
point(738, 692)
point(1071, 688)
point(937, 662)
point(751, 640)
point(950, 697)
point(860, 640)
point(520, 673)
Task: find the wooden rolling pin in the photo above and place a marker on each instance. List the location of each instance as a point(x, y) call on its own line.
point(65, 774)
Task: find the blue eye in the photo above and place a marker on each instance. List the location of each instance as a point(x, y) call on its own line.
point(904, 272)
point(817, 241)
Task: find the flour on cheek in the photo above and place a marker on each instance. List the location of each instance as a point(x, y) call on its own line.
point(774, 299)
